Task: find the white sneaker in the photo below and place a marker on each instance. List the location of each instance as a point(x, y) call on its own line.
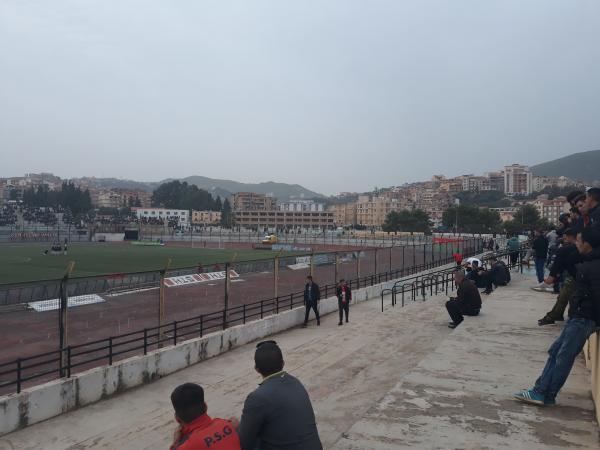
point(543, 287)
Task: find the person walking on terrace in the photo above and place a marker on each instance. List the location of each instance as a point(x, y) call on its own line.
point(467, 301)
point(312, 295)
point(584, 319)
point(344, 295)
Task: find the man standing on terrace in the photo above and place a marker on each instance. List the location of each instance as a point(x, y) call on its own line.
point(312, 295)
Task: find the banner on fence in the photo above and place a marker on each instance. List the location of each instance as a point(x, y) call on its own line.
point(77, 300)
point(198, 278)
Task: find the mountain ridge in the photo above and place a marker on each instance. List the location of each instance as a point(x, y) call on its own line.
point(581, 166)
point(217, 187)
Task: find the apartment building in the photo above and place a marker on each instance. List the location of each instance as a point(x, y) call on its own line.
point(371, 212)
point(344, 214)
point(206, 217)
point(283, 219)
point(300, 206)
point(518, 180)
point(164, 214)
point(540, 183)
point(551, 209)
point(250, 201)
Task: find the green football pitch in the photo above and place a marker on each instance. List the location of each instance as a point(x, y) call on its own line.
point(28, 263)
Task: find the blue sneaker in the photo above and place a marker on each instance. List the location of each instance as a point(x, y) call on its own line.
point(549, 402)
point(530, 396)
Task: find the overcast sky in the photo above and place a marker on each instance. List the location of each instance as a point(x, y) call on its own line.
point(334, 95)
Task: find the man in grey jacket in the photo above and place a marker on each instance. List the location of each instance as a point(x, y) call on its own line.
point(278, 414)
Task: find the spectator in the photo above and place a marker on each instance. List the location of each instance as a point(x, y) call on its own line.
point(457, 257)
point(279, 413)
point(513, 245)
point(312, 295)
point(540, 248)
point(584, 317)
point(196, 430)
point(499, 273)
point(344, 295)
point(590, 208)
point(467, 301)
point(563, 268)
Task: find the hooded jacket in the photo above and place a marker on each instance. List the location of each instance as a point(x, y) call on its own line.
point(585, 301)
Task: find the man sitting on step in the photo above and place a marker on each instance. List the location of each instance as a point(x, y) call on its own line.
point(467, 301)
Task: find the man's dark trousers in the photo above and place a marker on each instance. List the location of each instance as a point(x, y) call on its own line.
point(314, 305)
point(514, 257)
point(562, 301)
point(456, 310)
point(343, 308)
point(540, 263)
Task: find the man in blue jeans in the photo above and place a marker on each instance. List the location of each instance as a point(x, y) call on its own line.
point(540, 247)
point(584, 318)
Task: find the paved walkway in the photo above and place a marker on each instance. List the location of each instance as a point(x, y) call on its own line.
point(399, 379)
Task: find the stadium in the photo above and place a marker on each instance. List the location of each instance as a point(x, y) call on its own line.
point(106, 301)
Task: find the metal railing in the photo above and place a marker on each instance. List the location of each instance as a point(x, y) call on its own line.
point(439, 281)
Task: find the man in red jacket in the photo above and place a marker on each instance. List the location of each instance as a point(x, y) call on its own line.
point(197, 431)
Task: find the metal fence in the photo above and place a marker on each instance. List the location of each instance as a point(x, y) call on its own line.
point(54, 328)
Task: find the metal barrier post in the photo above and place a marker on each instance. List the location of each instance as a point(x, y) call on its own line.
point(62, 318)
point(226, 295)
point(275, 276)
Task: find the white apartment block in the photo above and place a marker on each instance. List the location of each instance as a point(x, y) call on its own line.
point(163, 213)
point(518, 180)
point(301, 206)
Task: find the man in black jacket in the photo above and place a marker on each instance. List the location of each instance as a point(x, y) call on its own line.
point(584, 318)
point(312, 295)
point(467, 301)
point(279, 413)
point(540, 247)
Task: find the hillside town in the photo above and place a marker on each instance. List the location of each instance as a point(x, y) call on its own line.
point(510, 189)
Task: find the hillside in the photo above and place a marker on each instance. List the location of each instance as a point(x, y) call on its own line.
point(282, 191)
point(221, 188)
point(584, 166)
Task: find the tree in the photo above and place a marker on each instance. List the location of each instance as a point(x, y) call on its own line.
point(226, 216)
point(178, 195)
point(405, 220)
point(472, 219)
point(526, 218)
point(491, 199)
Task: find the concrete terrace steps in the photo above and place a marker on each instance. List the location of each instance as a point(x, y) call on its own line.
point(346, 369)
point(399, 379)
point(459, 396)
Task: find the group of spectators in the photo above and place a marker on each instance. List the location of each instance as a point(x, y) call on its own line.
point(469, 277)
point(276, 415)
point(279, 413)
point(572, 253)
point(13, 214)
